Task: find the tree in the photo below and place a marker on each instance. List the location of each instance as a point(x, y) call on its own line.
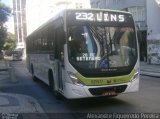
point(4, 14)
point(3, 35)
point(10, 42)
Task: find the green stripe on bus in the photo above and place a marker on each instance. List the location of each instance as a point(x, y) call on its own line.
point(105, 80)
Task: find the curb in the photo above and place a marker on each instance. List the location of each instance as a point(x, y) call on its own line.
point(19, 103)
point(151, 74)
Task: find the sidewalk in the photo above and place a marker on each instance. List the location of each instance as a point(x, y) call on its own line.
point(150, 69)
point(15, 103)
point(3, 64)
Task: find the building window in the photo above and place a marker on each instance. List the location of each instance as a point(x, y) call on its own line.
point(138, 13)
point(79, 5)
point(116, 2)
point(98, 4)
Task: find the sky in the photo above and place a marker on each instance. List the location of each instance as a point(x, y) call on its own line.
point(9, 23)
point(7, 2)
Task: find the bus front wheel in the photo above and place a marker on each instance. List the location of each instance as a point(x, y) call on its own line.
point(52, 84)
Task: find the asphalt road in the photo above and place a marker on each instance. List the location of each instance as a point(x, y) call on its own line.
point(147, 100)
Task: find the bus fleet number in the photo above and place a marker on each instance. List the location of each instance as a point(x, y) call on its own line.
point(85, 16)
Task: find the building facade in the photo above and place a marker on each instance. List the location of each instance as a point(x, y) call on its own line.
point(19, 13)
point(40, 11)
point(72, 4)
point(136, 7)
point(139, 11)
point(153, 35)
point(37, 12)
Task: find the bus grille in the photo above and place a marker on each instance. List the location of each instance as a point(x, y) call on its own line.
point(100, 91)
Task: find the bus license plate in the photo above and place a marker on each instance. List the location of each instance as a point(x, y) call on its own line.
point(109, 93)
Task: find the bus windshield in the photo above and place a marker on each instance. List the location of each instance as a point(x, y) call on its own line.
point(101, 48)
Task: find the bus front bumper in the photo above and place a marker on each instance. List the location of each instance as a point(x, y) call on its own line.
point(72, 91)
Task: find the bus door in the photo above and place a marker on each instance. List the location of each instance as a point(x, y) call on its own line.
point(60, 40)
point(60, 75)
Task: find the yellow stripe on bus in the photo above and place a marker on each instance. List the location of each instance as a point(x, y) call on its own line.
point(105, 80)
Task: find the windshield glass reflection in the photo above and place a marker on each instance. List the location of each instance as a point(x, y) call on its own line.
point(100, 47)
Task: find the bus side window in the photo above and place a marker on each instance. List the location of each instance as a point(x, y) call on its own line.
point(60, 41)
point(51, 39)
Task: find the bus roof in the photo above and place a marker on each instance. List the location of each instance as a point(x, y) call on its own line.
point(96, 9)
point(62, 13)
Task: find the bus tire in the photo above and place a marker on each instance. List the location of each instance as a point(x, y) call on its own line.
point(32, 72)
point(52, 84)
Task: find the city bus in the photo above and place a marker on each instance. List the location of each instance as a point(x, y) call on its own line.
point(17, 55)
point(81, 53)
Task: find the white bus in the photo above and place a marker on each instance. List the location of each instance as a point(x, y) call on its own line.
point(86, 53)
point(17, 55)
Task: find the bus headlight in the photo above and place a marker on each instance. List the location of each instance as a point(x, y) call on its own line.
point(136, 75)
point(74, 79)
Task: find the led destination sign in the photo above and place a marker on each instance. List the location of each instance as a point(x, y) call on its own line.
point(100, 17)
